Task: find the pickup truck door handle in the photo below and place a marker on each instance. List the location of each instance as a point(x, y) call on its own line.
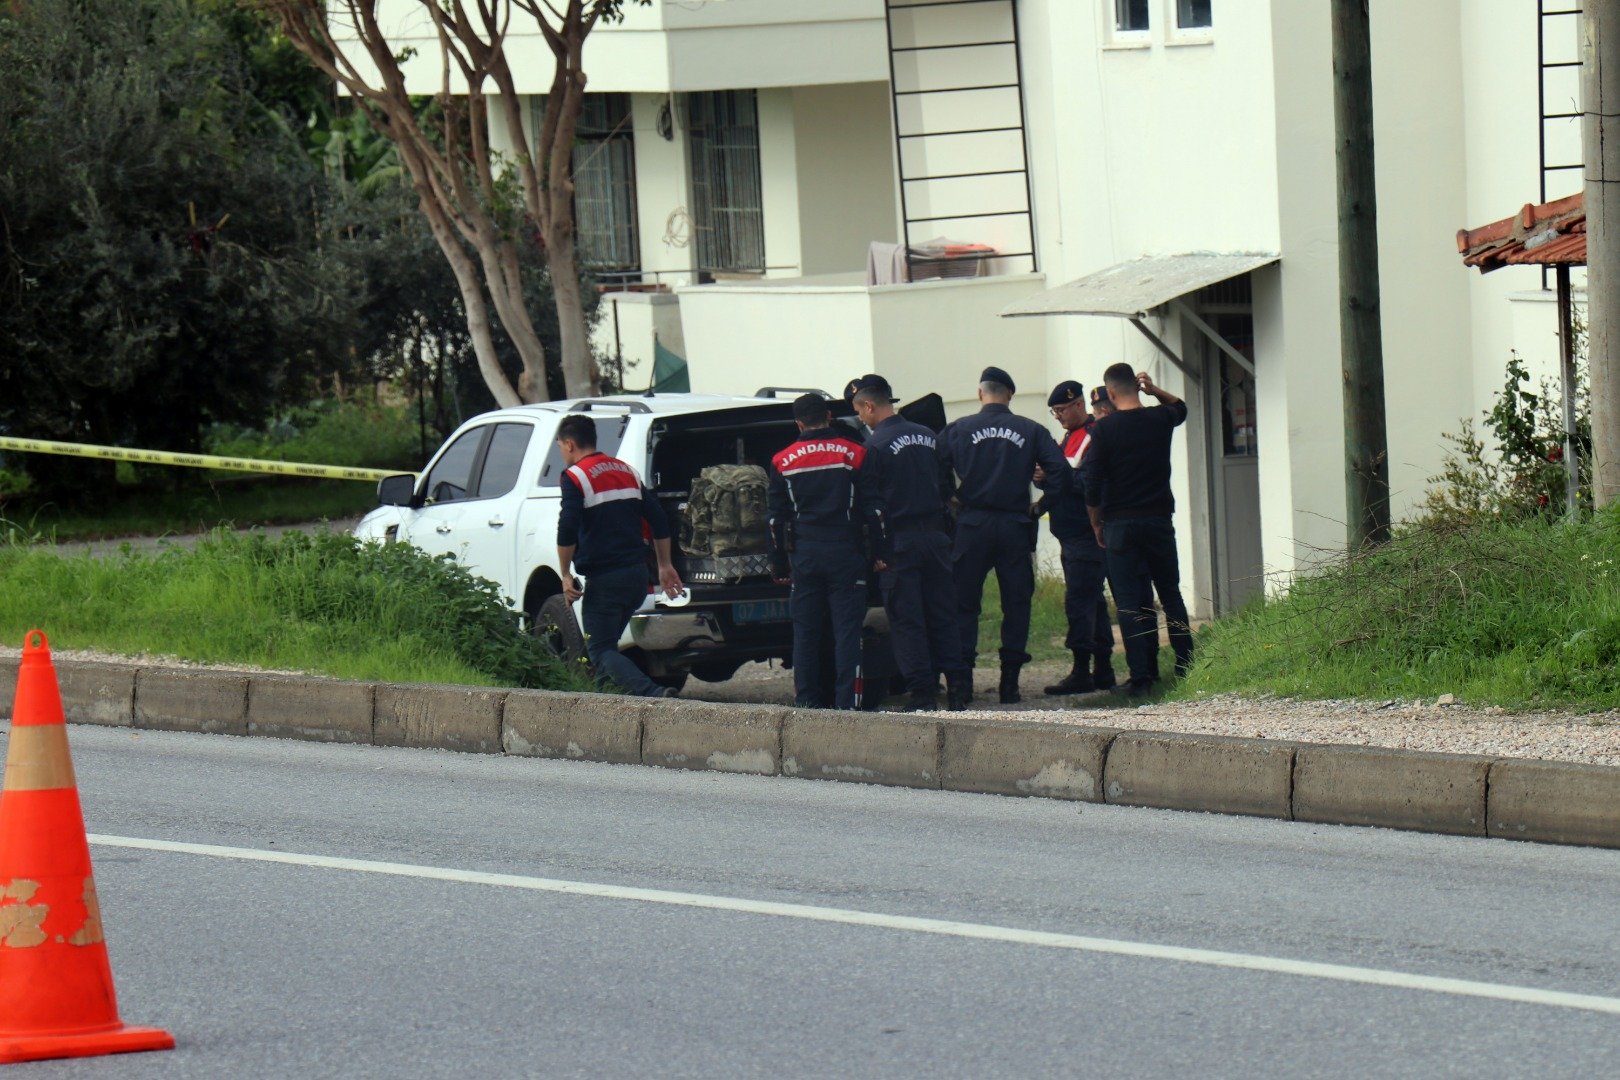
point(496, 523)
point(442, 529)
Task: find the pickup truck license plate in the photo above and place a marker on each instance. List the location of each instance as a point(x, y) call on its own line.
point(760, 611)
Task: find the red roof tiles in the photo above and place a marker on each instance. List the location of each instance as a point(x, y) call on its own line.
point(1542, 235)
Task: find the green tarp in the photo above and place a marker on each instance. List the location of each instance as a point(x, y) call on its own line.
point(670, 375)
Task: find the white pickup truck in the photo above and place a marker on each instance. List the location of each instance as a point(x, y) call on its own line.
point(490, 499)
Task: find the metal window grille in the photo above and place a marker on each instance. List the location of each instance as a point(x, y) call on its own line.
point(604, 167)
point(1131, 15)
point(605, 185)
point(728, 213)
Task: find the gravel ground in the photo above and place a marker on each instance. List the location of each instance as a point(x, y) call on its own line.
point(1406, 725)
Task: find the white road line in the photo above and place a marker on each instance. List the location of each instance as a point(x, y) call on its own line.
point(975, 931)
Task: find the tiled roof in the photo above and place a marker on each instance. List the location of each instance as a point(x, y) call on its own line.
point(1544, 235)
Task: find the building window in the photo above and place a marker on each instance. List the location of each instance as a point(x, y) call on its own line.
point(1131, 16)
point(605, 186)
point(1194, 14)
point(728, 213)
point(604, 168)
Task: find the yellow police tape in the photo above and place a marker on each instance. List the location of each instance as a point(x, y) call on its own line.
point(194, 461)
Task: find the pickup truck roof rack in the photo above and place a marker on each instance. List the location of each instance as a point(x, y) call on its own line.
point(773, 391)
point(588, 404)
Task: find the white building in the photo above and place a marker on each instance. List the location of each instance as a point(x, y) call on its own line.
point(744, 154)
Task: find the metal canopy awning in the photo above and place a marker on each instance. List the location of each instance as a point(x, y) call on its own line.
point(1130, 290)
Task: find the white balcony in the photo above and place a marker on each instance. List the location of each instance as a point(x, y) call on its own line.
point(690, 45)
point(821, 331)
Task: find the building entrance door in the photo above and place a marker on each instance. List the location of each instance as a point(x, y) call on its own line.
point(1234, 478)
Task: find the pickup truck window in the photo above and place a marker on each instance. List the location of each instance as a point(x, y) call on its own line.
point(609, 437)
point(503, 460)
point(452, 473)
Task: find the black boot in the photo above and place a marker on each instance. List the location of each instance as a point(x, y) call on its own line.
point(1077, 681)
point(1102, 672)
point(958, 690)
point(1009, 684)
point(924, 700)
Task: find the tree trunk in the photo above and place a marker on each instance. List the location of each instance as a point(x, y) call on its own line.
point(506, 291)
point(477, 311)
point(1600, 131)
point(579, 370)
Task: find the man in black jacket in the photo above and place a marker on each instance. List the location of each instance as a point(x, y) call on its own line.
point(1091, 636)
point(919, 592)
point(994, 453)
point(821, 500)
point(1126, 473)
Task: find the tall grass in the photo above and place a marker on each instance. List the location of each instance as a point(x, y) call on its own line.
point(1520, 614)
point(325, 604)
point(1048, 625)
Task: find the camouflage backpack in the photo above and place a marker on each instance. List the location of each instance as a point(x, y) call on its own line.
point(725, 514)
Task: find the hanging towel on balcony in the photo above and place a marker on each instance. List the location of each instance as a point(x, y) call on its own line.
point(886, 264)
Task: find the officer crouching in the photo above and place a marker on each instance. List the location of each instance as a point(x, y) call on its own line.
point(821, 502)
point(994, 452)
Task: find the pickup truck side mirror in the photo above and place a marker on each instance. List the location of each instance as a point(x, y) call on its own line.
point(398, 490)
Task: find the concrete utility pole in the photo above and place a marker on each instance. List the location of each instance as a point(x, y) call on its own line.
point(1600, 138)
point(1361, 338)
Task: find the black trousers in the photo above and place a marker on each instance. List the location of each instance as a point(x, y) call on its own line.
point(989, 540)
point(919, 595)
point(1090, 630)
point(1142, 560)
point(829, 590)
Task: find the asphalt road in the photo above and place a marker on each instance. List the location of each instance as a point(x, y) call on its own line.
point(316, 967)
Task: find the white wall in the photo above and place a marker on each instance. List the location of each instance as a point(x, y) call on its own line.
point(779, 183)
point(844, 150)
point(675, 46)
point(1422, 157)
point(663, 191)
point(628, 327)
point(927, 336)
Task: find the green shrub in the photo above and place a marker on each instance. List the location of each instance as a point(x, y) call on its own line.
point(354, 434)
point(326, 604)
point(1518, 613)
point(1521, 473)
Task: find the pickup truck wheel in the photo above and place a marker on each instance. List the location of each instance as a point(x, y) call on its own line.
point(555, 625)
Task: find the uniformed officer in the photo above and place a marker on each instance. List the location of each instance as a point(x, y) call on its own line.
point(820, 504)
point(606, 515)
point(919, 592)
point(994, 452)
point(1091, 636)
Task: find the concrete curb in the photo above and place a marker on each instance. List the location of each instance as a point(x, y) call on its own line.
point(1551, 802)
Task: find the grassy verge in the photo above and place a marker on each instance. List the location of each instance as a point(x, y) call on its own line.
point(221, 505)
point(1048, 625)
point(325, 604)
point(1515, 614)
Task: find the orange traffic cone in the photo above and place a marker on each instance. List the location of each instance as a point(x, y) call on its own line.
point(56, 986)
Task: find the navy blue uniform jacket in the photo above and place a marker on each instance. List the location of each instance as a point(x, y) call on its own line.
point(904, 461)
point(820, 484)
point(994, 452)
point(607, 515)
